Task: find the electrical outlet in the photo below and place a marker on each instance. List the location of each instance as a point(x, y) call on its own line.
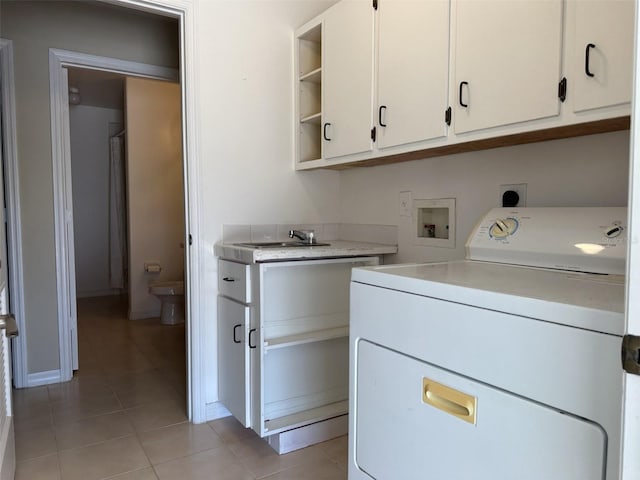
point(519, 188)
point(406, 204)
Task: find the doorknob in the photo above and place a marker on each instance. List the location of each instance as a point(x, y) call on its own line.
point(9, 325)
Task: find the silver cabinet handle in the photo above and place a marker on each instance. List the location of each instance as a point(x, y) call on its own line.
point(9, 325)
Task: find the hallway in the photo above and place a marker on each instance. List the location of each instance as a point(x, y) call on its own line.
point(123, 416)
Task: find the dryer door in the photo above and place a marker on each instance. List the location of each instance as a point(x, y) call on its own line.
point(416, 421)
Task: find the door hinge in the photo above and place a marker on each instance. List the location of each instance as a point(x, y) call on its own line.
point(447, 116)
point(631, 354)
point(373, 134)
point(562, 89)
point(375, 4)
point(190, 240)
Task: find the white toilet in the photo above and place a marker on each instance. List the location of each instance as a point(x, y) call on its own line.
point(171, 295)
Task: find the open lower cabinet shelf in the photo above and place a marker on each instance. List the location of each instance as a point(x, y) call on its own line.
point(309, 337)
point(306, 417)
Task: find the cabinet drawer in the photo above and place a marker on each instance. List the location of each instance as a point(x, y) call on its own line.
point(234, 280)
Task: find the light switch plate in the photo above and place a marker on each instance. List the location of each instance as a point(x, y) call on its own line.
point(406, 204)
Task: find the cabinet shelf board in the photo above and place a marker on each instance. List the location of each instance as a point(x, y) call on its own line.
point(300, 339)
point(314, 76)
point(313, 118)
point(306, 417)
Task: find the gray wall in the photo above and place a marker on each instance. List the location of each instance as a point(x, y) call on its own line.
point(34, 27)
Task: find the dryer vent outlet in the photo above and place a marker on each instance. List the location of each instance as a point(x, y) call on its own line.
point(513, 195)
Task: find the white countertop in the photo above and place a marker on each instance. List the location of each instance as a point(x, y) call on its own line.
point(338, 248)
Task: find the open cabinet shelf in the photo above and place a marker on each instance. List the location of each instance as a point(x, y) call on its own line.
point(309, 97)
point(314, 76)
point(306, 417)
point(300, 339)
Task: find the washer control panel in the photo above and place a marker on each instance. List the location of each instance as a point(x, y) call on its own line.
point(588, 239)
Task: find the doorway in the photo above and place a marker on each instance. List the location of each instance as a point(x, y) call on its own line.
point(128, 214)
point(60, 63)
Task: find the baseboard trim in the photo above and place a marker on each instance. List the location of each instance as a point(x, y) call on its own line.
point(44, 378)
point(215, 410)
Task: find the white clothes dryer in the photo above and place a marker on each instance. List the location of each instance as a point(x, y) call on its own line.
point(503, 366)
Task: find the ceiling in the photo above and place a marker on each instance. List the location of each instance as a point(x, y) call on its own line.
point(98, 88)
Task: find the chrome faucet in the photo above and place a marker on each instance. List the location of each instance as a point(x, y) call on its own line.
point(306, 236)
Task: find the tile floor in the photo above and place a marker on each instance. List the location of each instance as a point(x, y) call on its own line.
point(123, 416)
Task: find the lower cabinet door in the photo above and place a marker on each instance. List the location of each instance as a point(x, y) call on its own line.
point(233, 358)
point(417, 421)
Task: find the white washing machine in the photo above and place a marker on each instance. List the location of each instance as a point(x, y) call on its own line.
point(504, 366)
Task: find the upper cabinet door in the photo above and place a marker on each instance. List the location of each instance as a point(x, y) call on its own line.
point(413, 70)
point(602, 52)
point(507, 62)
point(347, 82)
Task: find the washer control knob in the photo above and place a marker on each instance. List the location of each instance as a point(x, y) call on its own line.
point(503, 228)
point(613, 231)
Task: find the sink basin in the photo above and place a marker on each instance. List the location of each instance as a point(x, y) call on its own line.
point(281, 244)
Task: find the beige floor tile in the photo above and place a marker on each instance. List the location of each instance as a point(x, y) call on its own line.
point(216, 464)
point(102, 460)
point(41, 468)
point(29, 402)
point(148, 392)
point(124, 380)
point(337, 449)
point(144, 474)
point(31, 409)
point(312, 471)
point(262, 460)
point(92, 430)
point(156, 415)
point(24, 424)
point(178, 441)
point(79, 389)
point(80, 409)
point(230, 430)
point(35, 442)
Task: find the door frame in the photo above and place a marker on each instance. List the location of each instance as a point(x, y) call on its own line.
point(14, 226)
point(183, 12)
point(630, 461)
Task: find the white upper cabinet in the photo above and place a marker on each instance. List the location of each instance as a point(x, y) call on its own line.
point(507, 57)
point(412, 71)
point(601, 52)
point(347, 78)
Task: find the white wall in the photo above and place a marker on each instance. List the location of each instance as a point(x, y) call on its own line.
point(90, 27)
point(585, 171)
point(90, 176)
point(245, 78)
point(155, 192)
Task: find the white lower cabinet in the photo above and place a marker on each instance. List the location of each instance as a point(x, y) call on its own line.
point(233, 332)
point(284, 357)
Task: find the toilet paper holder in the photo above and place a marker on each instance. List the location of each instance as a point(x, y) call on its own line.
point(152, 267)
